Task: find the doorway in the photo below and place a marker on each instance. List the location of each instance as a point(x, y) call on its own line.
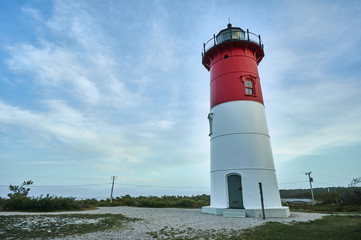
point(235, 191)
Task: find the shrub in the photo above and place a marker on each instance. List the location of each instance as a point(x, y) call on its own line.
point(186, 203)
point(127, 200)
point(44, 204)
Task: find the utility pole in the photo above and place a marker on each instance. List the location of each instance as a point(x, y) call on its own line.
point(111, 193)
point(311, 180)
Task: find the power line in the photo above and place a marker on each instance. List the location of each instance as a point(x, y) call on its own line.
point(98, 184)
point(134, 185)
point(285, 174)
point(324, 183)
point(48, 186)
point(333, 176)
point(80, 185)
point(292, 182)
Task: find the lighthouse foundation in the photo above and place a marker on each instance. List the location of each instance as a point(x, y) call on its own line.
point(280, 212)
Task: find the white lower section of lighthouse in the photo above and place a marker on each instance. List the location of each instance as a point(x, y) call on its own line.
point(241, 158)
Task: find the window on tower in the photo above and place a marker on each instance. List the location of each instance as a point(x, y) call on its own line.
point(249, 87)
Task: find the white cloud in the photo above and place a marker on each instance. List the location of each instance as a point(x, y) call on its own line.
point(164, 124)
point(128, 117)
point(308, 118)
point(41, 163)
point(76, 61)
point(312, 104)
point(33, 12)
point(61, 122)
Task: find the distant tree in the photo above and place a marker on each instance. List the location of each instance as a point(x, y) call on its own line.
point(355, 181)
point(330, 198)
point(20, 191)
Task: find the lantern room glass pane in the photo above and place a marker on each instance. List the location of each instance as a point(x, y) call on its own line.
point(226, 35)
point(237, 34)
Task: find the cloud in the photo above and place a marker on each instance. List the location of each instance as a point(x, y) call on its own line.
point(94, 102)
point(74, 59)
point(61, 122)
point(308, 118)
point(52, 68)
point(164, 124)
point(41, 163)
point(33, 12)
point(121, 148)
point(312, 94)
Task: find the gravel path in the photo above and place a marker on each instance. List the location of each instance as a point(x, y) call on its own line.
point(166, 222)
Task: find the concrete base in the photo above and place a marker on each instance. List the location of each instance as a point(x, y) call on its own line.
point(282, 212)
point(239, 213)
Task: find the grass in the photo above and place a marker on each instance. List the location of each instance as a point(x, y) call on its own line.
point(49, 226)
point(194, 234)
point(330, 228)
point(326, 208)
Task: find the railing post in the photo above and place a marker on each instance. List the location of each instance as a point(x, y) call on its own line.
point(259, 37)
point(204, 48)
point(214, 39)
point(247, 34)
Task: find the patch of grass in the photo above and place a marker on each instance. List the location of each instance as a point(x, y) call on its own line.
point(49, 226)
point(194, 234)
point(327, 208)
point(330, 227)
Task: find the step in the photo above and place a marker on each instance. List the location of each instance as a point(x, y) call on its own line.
point(237, 213)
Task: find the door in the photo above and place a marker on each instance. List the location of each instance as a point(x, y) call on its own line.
point(235, 191)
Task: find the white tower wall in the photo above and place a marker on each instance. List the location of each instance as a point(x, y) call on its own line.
point(240, 144)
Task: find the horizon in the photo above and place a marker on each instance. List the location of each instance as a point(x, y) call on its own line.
point(120, 191)
point(94, 89)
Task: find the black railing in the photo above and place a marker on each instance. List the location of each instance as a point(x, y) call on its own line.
point(231, 35)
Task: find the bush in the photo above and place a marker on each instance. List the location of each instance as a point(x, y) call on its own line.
point(19, 201)
point(153, 202)
point(127, 200)
point(330, 198)
point(186, 203)
point(159, 202)
point(44, 204)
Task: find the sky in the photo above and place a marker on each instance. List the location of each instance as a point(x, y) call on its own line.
point(99, 88)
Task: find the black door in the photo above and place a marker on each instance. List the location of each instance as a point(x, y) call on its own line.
point(235, 191)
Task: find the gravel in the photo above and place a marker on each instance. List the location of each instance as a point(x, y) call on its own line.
point(174, 222)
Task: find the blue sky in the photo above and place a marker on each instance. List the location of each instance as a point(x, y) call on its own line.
point(93, 89)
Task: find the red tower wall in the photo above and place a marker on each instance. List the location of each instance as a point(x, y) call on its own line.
point(230, 65)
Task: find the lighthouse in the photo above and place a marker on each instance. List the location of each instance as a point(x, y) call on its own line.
point(241, 165)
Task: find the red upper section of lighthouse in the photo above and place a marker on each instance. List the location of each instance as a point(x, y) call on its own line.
point(232, 58)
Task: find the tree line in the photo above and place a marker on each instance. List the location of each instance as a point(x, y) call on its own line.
point(340, 198)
